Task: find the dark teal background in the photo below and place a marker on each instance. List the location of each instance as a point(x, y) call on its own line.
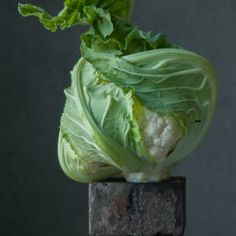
point(36, 198)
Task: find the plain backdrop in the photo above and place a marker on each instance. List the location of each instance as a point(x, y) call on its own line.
point(36, 198)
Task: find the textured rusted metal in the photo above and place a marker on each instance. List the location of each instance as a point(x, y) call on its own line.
point(137, 209)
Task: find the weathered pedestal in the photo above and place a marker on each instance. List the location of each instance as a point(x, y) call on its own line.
point(143, 209)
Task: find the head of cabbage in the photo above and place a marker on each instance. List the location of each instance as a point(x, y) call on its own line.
point(137, 104)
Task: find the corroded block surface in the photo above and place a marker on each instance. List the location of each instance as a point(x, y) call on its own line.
point(143, 209)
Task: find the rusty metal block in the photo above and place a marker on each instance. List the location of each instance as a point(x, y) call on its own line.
point(137, 209)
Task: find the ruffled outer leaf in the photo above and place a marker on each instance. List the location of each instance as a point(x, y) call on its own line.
point(91, 12)
point(97, 128)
